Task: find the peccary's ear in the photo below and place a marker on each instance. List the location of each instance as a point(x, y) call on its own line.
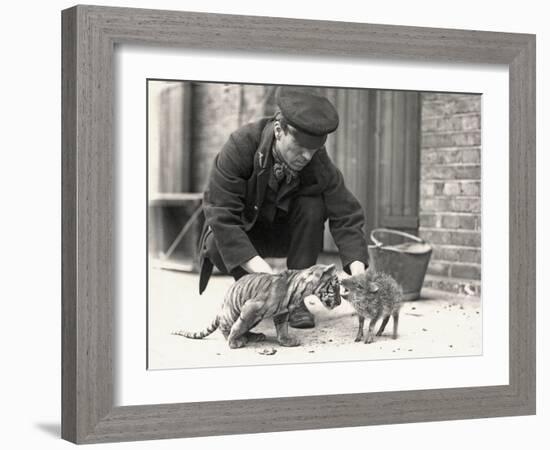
point(373, 287)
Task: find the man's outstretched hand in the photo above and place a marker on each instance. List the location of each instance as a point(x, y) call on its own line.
point(259, 265)
point(357, 267)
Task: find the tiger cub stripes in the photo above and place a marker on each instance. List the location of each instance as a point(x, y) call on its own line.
point(259, 296)
point(200, 334)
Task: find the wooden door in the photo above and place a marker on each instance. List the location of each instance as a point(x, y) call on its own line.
point(396, 189)
point(377, 148)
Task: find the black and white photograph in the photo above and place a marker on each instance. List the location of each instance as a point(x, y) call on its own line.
point(270, 225)
point(309, 224)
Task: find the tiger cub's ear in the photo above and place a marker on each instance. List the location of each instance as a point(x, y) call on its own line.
point(330, 269)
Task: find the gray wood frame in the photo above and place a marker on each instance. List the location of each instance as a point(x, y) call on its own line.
point(89, 36)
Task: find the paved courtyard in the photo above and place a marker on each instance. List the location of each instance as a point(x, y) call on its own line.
point(439, 324)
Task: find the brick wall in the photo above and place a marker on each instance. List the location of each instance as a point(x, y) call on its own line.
point(450, 190)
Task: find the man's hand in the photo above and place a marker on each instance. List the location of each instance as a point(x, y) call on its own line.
point(257, 265)
point(356, 267)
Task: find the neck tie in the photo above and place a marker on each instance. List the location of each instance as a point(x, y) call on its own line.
point(281, 170)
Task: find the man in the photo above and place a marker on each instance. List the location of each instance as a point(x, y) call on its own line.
point(271, 189)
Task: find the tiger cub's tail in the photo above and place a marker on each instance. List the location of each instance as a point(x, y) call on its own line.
point(200, 334)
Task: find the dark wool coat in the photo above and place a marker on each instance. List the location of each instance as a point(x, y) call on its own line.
point(237, 187)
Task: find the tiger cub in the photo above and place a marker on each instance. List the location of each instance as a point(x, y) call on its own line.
point(374, 295)
point(259, 296)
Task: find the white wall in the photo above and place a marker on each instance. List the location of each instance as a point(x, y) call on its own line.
point(30, 187)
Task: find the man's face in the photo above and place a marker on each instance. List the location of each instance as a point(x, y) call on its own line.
point(296, 156)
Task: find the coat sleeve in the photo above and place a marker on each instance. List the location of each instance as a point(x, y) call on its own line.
point(224, 202)
point(346, 218)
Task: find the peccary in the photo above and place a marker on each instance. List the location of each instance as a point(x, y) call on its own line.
point(374, 295)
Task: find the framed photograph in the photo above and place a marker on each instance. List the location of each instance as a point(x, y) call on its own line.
point(199, 149)
point(390, 147)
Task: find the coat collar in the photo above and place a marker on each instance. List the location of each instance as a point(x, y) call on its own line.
point(263, 158)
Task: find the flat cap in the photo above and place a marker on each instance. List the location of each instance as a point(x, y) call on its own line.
point(310, 113)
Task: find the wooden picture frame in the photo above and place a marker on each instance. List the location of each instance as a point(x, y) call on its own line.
point(90, 34)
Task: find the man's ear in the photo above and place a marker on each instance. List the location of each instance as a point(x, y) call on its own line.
point(277, 130)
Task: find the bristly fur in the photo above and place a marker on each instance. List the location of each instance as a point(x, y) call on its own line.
point(374, 295)
point(259, 296)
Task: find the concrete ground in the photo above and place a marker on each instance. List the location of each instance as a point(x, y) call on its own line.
point(439, 324)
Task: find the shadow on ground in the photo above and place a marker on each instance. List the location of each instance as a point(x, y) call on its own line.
point(52, 429)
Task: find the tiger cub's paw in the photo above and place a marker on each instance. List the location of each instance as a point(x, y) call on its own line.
point(289, 342)
point(255, 337)
point(237, 343)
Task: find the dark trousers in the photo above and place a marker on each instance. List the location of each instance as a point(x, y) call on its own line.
point(298, 236)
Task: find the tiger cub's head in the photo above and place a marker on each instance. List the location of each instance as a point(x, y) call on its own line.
point(324, 284)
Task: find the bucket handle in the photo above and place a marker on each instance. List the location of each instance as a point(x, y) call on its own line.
point(387, 230)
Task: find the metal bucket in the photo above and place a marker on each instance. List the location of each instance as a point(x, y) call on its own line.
point(406, 262)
